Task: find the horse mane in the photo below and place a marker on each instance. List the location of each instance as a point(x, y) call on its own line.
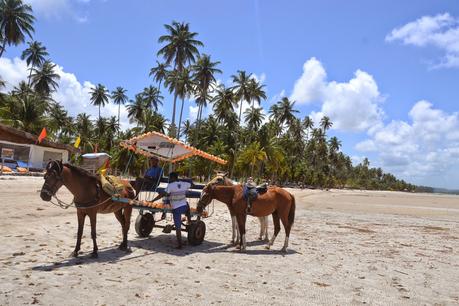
point(82, 172)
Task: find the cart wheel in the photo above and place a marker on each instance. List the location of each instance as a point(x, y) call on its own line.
point(144, 224)
point(196, 232)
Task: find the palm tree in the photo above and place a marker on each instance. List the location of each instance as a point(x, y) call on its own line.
point(34, 56)
point(152, 97)
point(16, 21)
point(44, 78)
point(254, 117)
point(119, 98)
point(256, 92)
point(224, 103)
point(325, 123)
point(152, 121)
point(181, 48)
point(24, 111)
point(241, 88)
point(99, 96)
point(286, 111)
point(204, 76)
point(135, 109)
point(308, 124)
point(159, 73)
point(84, 129)
point(252, 155)
point(335, 144)
point(181, 84)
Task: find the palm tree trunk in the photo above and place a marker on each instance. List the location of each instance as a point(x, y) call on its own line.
point(172, 131)
point(30, 75)
point(119, 107)
point(180, 119)
point(240, 113)
point(3, 48)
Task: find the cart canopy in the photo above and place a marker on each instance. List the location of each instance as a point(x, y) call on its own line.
point(165, 148)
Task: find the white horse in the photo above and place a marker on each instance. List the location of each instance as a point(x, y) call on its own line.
point(221, 179)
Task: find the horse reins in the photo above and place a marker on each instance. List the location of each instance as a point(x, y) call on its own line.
point(64, 205)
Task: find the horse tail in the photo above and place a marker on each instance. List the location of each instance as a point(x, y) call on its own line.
point(291, 213)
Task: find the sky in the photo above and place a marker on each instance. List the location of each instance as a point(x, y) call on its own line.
point(385, 72)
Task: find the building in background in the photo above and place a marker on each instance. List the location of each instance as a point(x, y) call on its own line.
point(24, 148)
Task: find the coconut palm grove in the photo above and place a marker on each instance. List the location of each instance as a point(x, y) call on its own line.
point(279, 146)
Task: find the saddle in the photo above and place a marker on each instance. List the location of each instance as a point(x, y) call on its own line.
point(112, 185)
point(251, 192)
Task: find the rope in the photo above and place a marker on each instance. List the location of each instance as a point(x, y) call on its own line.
point(61, 203)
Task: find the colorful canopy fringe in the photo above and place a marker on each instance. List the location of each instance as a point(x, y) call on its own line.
point(165, 148)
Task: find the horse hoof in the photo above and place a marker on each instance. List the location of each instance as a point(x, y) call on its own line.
point(267, 247)
point(238, 247)
point(94, 255)
point(283, 250)
point(74, 254)
point(260, 238)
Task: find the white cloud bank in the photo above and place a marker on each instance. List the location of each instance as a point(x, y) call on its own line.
point(72, 94)
point(440, 31)
point(352, 106)
point(424, 150)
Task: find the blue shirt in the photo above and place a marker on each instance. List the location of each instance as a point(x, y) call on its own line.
point(154, 172)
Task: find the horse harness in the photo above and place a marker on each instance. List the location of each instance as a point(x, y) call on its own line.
point(81, 205)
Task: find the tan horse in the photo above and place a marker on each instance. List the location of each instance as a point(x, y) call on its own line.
point(276, 201)
point(89, 199)
point(222, 180)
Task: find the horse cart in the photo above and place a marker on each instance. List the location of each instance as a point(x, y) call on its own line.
point(154, 214)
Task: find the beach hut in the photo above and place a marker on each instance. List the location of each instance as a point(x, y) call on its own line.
point(24, 148)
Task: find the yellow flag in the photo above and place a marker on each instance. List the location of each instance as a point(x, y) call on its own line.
point(77, 142)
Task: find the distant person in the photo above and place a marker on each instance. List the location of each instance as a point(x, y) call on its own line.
point(176, 193)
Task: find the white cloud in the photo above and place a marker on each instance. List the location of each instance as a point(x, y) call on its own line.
point(193, 113)
point(351, 106)
point(72, 94)
point(311, 85)
point(425, 150)
point(58, 9)
point(440, 31)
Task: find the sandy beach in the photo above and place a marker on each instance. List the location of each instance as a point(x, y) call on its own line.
point(346, 247)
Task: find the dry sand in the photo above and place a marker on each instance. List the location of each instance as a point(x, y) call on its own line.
point(346, 247)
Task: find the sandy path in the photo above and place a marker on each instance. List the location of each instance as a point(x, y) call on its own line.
point(377, 248)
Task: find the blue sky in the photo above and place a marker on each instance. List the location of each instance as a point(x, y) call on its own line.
point(386, 72)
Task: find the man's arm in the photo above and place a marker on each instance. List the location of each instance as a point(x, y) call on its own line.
point(159, 196)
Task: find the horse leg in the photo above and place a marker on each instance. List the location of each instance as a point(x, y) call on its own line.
point(287, 227)
point(276, 223)
point(262, 227)
point(81, 216)
point(266, 237)
point(93, 220)
point(127, 211)
point(119, 216)
point(241, 219)
point(235, 237)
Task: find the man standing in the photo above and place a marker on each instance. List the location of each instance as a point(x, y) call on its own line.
point(176, 192)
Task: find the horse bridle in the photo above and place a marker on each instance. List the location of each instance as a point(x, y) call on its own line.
point(51, 190)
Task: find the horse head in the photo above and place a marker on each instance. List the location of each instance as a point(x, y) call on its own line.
point(53, 180)
point(206, 197)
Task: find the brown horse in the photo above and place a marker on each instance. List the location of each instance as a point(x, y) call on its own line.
point(275, 201)
point(222, 180)
point(89, 199)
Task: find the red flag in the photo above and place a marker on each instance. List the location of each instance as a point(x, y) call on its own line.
point(42, 135)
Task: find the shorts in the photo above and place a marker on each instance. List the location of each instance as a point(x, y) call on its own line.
point(177, 213)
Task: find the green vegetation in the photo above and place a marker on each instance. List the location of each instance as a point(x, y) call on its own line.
point(278, 146)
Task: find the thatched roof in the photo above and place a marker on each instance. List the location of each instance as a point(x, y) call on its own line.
point(11, 134)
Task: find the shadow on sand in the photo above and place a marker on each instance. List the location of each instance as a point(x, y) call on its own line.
point(164, 244)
